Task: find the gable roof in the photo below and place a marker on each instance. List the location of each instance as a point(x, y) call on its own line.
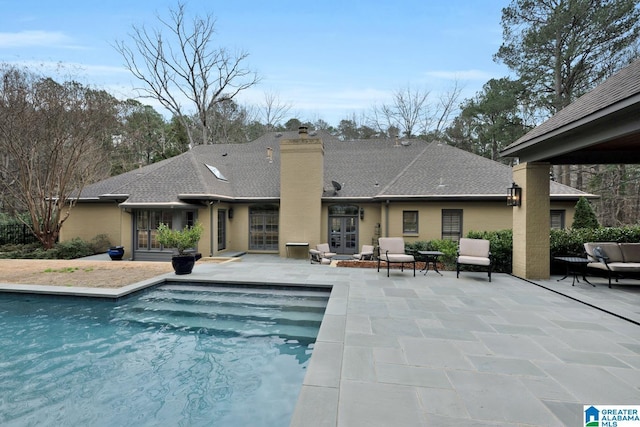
point(368, 170)
point(601, 126)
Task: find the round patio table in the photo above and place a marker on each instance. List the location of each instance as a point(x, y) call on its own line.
point(430, 257)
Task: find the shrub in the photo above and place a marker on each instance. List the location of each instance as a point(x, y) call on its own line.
point(448, 247)
point(100, 244)
point(75, 248)
point(584, 216)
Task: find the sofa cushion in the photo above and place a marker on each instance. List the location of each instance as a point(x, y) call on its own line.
point(630, 252)
point(610, 249)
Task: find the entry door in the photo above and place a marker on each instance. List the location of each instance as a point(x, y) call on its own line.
point(343, 234)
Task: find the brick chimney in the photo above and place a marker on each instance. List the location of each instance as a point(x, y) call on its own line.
point(301, 187)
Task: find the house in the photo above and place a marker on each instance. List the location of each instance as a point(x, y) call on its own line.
point(300, 187)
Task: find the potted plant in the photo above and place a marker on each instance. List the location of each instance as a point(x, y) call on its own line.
point(181, 240)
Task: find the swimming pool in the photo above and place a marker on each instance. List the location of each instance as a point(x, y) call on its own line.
point(178, 354)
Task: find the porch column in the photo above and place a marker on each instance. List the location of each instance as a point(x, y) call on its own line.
point(531, 222)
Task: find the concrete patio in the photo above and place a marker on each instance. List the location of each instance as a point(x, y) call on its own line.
point(436, 350)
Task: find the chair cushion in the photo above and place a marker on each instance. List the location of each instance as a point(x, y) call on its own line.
point(474, 260)
point(397, 257)
point(474, 248)
point(393, 245)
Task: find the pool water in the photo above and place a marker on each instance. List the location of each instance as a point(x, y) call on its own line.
point(176, 355)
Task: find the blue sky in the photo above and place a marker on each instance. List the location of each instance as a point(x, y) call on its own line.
point(329, 60)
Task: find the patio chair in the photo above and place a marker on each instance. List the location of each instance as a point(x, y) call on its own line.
point(315, 256)
point(365, 253)
point(392, 251)
point(474, 252)
point(325, 251)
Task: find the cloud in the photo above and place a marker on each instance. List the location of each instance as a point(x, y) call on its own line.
point(36, 39)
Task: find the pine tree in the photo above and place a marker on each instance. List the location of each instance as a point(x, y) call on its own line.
point(584, 216)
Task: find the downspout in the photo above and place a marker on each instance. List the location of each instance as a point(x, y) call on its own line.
point(133, 233)
point(386, 220)
point(211, 248)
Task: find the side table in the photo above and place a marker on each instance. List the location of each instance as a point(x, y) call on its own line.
point(574, 266)
point(430, 257)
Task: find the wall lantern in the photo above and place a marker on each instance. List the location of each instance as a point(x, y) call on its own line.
point(230, 213)
point(361, 213)
point(514, 195)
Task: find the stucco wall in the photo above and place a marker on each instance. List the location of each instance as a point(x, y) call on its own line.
point(87, 220)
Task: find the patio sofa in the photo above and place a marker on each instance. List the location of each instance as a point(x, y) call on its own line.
point(614, 259)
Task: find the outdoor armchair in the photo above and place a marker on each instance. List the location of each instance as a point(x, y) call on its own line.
point(365, 253)
point(474, 252)
point(392, 252)
point(325, 251)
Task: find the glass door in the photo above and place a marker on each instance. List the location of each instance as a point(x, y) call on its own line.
point(343, 229)
point(263, 228)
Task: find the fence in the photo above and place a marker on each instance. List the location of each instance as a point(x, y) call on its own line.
point(18, 234)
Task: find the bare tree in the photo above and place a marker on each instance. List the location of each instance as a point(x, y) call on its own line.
point(52, 139)
point(273, 111)
point(178, 62)
point(407, 110)
point(412, 112)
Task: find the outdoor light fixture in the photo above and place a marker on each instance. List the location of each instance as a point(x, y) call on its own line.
point(361, 213)
point(514, 195)
point(230, 213)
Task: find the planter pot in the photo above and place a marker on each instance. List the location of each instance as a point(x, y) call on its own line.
point(183, 264)
point(116, 252)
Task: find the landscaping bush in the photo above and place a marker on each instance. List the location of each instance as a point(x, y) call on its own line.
point(448, 247)
point(76, 248)
point(72, 249)
point(570, 242)
point(100, 244)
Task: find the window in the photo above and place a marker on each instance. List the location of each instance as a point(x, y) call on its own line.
point(451, 224)
point(557, 219)
point(410, 222)
point(147, 222)
point(222, 229)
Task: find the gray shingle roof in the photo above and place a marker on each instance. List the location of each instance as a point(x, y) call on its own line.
point(367, 169)
point(620, 86)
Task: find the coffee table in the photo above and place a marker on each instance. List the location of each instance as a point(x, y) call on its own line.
point(574, 266)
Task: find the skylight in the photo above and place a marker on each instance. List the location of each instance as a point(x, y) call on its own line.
point(214, 170)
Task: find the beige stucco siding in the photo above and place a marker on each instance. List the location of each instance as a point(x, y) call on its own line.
point(476, 216)
point(86, 221)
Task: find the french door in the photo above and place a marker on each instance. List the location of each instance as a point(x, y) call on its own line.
point(263, 228)
point(343, 229)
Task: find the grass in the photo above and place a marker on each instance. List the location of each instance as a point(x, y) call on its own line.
point(66, 270)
